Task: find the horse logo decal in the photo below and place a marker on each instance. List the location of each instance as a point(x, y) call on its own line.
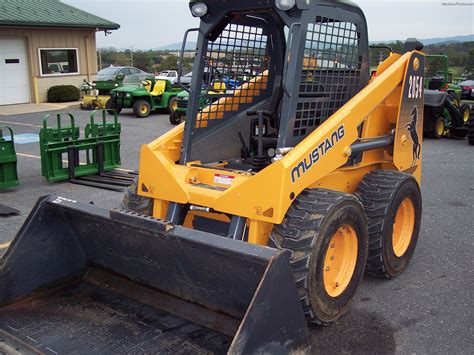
point(411, 127)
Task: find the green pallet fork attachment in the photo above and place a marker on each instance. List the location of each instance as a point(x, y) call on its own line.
point(8, 160)
point(108, 134)
point(55, 142)
point(74, 264)
point(87, 160)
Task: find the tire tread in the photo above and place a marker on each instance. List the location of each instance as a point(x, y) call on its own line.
point(376, 191)
point(131, 201)
point(299, 231)
point(470, 130)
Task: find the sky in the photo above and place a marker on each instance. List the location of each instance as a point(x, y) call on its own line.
point(154, 23)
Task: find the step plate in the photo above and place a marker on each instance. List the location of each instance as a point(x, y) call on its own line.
point(12, 346)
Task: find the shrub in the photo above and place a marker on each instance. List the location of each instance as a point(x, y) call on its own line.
point(63, 93)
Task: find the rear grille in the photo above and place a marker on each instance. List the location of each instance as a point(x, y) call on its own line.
point(182, 103)
point(331, 72)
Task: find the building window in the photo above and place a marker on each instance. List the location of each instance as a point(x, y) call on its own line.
point(58, 61)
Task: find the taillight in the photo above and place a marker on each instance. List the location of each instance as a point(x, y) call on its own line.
point(467, 87)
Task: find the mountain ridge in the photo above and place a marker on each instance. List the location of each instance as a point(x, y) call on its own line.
point(426, 41)
point(436, 40)
point(190, 46)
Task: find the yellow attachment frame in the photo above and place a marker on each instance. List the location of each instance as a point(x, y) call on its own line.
point(264, 198)
point(97, 102)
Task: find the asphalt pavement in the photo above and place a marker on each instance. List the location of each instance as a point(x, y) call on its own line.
point(426, 310)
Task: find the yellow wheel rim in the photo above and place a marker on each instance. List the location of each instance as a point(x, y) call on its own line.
point(440, 127)
point(403, 227)
point(340, 260)
point(143, 109)
point(174, 105)
point(466, 115)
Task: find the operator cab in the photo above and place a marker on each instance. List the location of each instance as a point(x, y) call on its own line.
point(274, 61)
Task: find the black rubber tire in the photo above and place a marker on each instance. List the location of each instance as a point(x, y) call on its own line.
point(131, 201)
point(137, 109)
point(458, 133)
point(171, 102)
point(470, 130)
point(175, 119)
point(381, 193)
point(311, 221)
point(110, 107)
point(465, 109)
point(454, 98)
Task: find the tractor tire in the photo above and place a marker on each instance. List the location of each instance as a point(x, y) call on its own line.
point(131, 201)
point(110, 107)
point(438, 128)
point(326, 232)
point(172, 104)
point(454, 98)
point(141, 109)
point(392, 202)
point(175, 118)
point(470, 130)
point(465, 111)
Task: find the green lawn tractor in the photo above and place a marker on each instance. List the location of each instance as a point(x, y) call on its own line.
point(444, 116)
point(439, 78)
point(156, 94)
point(207, 97)
point(179, 114)
point(214, 92)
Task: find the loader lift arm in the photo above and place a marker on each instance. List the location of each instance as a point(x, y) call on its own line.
point(382, 97)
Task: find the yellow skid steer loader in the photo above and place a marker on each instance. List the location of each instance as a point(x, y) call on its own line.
point(257, 215)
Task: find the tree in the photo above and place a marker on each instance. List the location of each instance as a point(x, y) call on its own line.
point(470, 64)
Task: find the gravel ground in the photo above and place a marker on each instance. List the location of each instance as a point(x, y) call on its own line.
point(428, 309)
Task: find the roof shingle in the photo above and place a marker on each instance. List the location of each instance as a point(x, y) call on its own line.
point(49, 13)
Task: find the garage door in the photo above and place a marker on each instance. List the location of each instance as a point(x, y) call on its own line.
point(14, 86)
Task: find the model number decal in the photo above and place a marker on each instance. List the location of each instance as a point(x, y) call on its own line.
point(223, 179)
point(415, 87)
point(318, 152)
point(60, 200)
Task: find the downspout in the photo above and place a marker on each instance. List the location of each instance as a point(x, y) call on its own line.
point(34, 91)
point(88, 40)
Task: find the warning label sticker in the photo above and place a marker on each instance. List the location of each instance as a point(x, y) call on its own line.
point(223, 179)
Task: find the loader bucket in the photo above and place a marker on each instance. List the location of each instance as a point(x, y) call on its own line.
point(81, 279)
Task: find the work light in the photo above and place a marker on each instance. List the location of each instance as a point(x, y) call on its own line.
point(285, 5)
point(199, 9)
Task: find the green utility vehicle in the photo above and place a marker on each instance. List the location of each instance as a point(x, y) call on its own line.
point(96, 94)
point(155, 94)
point(113, 77)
